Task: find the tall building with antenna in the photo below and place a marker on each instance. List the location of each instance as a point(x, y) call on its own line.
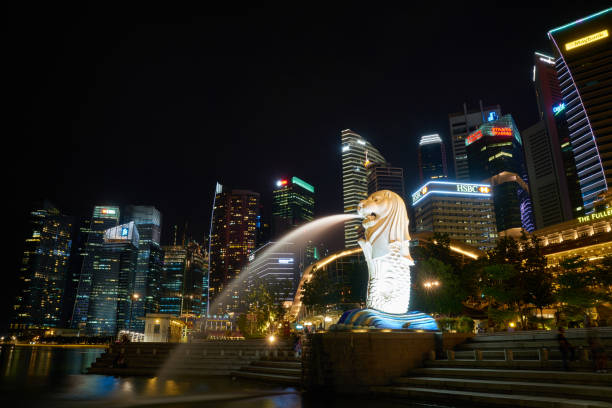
point(357, 155)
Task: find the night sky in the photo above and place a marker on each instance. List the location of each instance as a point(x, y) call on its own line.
point(153, 105)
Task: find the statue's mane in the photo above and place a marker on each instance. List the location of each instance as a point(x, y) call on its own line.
point(394, 226)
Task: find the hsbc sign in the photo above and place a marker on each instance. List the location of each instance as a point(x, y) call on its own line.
point(445, 187)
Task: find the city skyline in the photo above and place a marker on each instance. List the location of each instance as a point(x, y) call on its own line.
point(122, 129)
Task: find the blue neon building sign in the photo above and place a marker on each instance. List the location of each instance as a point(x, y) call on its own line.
point(558, 108)
point(492, 116)
point(124, 231)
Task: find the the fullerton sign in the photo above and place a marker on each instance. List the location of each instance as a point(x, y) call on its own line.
point(595, 216)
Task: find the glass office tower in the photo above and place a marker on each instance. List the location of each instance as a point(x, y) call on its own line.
point(184, 283)
point(150, 262)
point(292, 205)
point(461, 125)
point(583, 51)
point(357, 155)
point(233, 237)
point(113, 269)
point(432, 158)
point(103, 218)
point(495, 156)
point(44, 271)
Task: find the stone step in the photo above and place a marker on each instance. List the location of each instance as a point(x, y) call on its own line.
point(549, 344)
point(284, 364)
point(510, 387)
point(486, 399)
point(515, 364)
point(562, 377)
point(602, 332)
point(271, 378)
point(273, 370)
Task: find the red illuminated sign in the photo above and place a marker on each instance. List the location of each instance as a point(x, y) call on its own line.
point(502, 131)
point(473, 137)
point(283, 182)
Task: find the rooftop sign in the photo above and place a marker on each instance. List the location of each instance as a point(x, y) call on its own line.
point(447, 187)
point(586, 40)
point(473, 137)
point(595, 216)
point(302, 183)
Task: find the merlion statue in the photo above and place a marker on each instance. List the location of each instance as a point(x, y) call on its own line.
point(387, 252)
point(386, 248)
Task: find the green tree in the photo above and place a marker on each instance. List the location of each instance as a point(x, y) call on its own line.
point(447, 296)
point(517, 280)
point(582, 285)
point(321, 292)
point(265, 308)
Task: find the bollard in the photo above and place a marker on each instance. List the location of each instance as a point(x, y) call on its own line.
point(450, 354)
point(432, 355)
point(478, 355)
point(509, 354)
point(543, 354)
point(137, 350)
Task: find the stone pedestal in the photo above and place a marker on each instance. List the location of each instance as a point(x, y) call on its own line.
point(352, 361)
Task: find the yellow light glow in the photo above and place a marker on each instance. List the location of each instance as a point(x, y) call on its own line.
point(461, 251)
point(512, 324)
point(271, 339)
point(586, 40)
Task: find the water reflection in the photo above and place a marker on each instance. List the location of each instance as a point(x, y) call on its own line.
point(52, 377)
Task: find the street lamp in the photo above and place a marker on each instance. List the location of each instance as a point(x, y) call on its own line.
point(135, 297)
point(431, 284)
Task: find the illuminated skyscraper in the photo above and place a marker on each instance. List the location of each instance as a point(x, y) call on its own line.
point(278, 267)
point(233, 237)
point(113, 269)
point(554, 187)
point(464, 211)
point(584, 69)
point(292, 205)
point(357, 155)
point(103, 218)
point(185, 280)
point(495, 153)
point(385, 177)
point(43, 271)
point(146, 281)
point(461, 125)
point(432, 158)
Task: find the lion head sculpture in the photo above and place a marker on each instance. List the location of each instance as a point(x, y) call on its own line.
point(385, 222)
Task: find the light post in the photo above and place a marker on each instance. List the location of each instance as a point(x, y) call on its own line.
point(135, 297)
point(431, 284)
